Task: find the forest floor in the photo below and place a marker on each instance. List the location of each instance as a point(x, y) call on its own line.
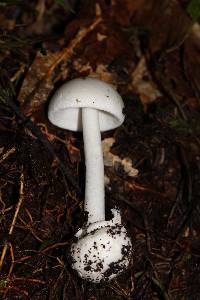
point(150, 51)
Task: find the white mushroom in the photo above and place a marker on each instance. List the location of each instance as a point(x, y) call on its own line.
point(103, 249)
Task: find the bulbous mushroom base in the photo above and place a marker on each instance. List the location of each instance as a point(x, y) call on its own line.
point(103, 250)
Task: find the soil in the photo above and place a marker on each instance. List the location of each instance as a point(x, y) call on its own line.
point(149, 50)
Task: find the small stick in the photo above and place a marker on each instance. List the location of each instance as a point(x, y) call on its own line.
point(68, 51)
point(7, 154)
point(21, 197)
point(12, 259)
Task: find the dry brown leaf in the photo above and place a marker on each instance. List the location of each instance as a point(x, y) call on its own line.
point(37, 85)
point(169, 25)
point(39, 81)
point(165, 20)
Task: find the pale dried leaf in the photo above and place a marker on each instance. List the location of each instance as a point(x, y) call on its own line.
point(114, 161)
point(100, 72)
point(143, 84)
point(101, 37)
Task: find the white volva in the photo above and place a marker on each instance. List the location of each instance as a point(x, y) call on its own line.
point(103, 249)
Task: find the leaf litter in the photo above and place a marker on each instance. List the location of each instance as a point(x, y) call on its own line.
point(150, 53)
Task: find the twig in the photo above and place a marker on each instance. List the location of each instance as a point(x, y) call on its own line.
point(7, 154)
point(18, 290)
point(12, 259)
point(33, 280)
point(29, 225)
point(68, 51)
point(54, 246)
point(21, 197)
point(3, 254)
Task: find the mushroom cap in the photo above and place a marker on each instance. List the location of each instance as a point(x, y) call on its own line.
point(65, 106)
point(102, 251)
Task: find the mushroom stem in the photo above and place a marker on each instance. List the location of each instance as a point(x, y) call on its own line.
point(94, 187)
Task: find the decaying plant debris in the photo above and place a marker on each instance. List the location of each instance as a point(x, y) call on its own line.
point(149, 50)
